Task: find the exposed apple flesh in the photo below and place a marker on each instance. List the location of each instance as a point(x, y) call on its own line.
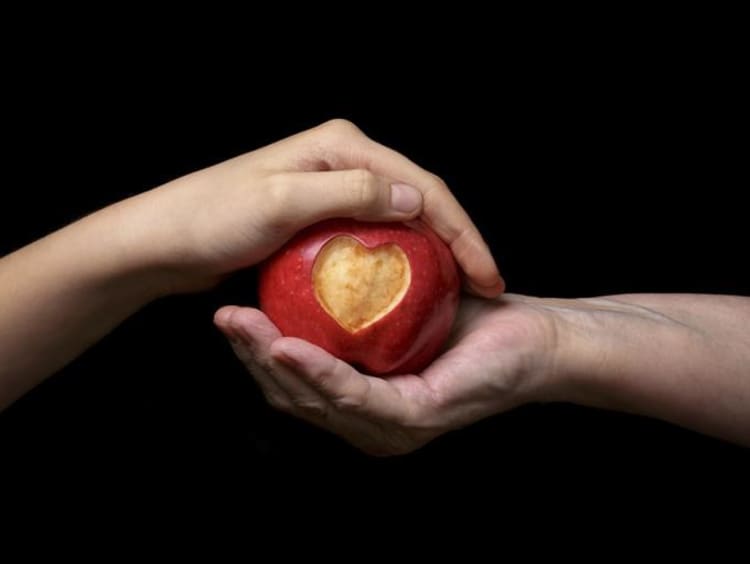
point(356, 285)
point(381, 296)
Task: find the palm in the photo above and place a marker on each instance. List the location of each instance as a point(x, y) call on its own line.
point(495, 357)
point(491, 364)
point(497, 346)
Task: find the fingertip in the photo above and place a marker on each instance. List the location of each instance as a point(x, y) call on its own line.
point(485, 279)
point(491, 291)
point(222, 315)
point(222, 322)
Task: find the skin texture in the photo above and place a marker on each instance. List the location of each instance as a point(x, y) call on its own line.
point(60, 294)
point(681, 358)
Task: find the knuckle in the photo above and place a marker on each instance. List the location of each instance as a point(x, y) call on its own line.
point(363, 188)
point(438, 182)
point(341, 126)
point(351, 402)
point(338, 134)
point(309, 406)
point(426, 420)
point(277, 401)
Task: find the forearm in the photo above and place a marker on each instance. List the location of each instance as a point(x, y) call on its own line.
point(678, 357)
point(62, 293)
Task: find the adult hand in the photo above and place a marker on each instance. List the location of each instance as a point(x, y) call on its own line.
point(682, 358)
point(500, 356)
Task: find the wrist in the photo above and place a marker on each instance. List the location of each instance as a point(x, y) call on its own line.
point(117, 250)
point(586, 343)
point(609, 351)
point(156, 235)
point(552, 349)
point(565, 349)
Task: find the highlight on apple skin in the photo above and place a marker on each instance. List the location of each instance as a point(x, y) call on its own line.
point(381, 296)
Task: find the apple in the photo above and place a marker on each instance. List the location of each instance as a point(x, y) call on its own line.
point(381, 296)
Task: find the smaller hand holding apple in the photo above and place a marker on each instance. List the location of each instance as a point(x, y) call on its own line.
point(208, 224)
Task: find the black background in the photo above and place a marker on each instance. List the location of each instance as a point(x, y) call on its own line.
point(589, 171)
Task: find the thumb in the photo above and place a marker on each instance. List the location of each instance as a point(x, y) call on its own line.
point(307, 197)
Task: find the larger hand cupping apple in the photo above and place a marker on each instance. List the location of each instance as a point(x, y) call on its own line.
point(382, 296)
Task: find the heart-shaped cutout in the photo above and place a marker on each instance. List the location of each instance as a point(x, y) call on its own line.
point(356, 285)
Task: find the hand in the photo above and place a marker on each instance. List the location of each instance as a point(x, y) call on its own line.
point(500, 356)
point(81, 281)
point(233, 215)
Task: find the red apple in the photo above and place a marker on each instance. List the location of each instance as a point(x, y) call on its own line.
point(381, 296)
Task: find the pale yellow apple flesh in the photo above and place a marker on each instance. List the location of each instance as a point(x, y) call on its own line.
point(358, 286)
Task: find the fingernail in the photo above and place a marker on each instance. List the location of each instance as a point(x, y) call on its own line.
point(405, 198)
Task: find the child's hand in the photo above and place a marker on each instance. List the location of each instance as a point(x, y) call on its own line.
point(233, 215)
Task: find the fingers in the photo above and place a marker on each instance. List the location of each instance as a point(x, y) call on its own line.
point(254, 334)
point(296, 375)
point(249, 349)
point(345, 388)
point(341, 145)
point(302, 198)
point(443, 213)
point(301, 379)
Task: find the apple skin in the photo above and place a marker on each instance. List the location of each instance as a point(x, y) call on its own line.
point(404, 340)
